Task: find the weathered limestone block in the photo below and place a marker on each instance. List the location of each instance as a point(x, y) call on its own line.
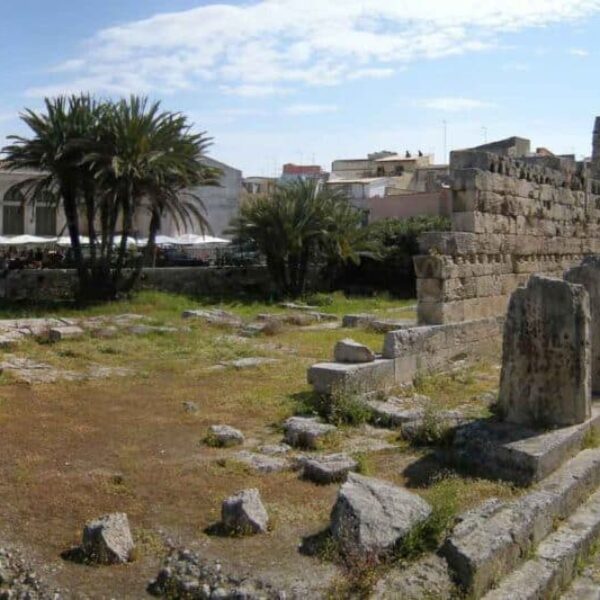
point(55, 334)
point(373, 516)
point(108, 540)
point(349, 351)
point(245, 513)
point(588, 275)
point(329, 468)
point(364, 377)
point(303, 432)
point(546, 374)
point(224, 436)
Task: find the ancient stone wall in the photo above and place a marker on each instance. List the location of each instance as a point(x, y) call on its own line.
point(511, 217)
point(50, 285)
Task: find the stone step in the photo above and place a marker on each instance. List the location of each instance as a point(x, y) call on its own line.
point(585, 587)
point(494, 539)
point(557, 559)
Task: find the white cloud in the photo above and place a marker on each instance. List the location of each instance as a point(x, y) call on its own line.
point(579, 52)
point(454, 104)
point(264, 46)
point(309, 109)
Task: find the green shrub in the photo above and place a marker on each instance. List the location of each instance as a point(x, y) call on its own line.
point(346, 407)
point(319, 299)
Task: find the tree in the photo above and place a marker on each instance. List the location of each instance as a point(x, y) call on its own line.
point(104, 163)
point(299, 226)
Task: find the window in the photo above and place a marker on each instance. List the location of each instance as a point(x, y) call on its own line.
point(13, 219)
point(45, 220)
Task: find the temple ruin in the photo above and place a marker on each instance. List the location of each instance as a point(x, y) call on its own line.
point(515, 213)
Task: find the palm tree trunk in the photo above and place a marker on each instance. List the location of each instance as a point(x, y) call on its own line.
point(71, 216)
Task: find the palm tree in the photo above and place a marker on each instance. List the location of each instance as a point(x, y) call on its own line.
point(107, 162)
point(55, 151)
point(301, 225)
point(147, 159)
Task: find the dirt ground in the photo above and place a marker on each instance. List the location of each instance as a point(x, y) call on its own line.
point(72, 451)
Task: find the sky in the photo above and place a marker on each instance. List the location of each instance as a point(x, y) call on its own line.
point(310, 81)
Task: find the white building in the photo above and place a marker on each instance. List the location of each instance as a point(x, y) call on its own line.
point(18, 216)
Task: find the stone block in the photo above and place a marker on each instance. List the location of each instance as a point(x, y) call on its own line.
point(302, 432)
point(520, 454)
point(244, 513)
point(327, 377)
point(56, 334)
point(588, 275)
point(349, 351)
point(330, 468)
point(546, 375)
point(372, 516)
point(108, 540)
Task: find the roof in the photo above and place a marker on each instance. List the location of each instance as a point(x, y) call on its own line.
point(364, 180)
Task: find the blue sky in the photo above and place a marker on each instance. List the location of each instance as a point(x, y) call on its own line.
point(277, 81)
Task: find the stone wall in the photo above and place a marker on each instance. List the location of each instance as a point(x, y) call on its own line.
point(410, 351)
point(511, 217)
point(58, 284)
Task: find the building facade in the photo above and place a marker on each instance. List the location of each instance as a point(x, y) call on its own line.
point(17, 216)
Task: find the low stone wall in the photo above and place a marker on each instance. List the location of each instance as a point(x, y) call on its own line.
point(211, 281)
point(410, 351)
point(431, 347)
point(60, 284)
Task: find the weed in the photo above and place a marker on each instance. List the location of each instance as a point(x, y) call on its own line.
point(432, 430)
point(347, 407)
point(341, 407)
point(147, 543)
point(591, 439)
point(364, 464)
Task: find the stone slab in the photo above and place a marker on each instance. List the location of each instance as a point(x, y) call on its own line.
point(515, 453)
point(588, 275)
point(557, 559)
point(492, 540)
point(546, 355)
point(326, 377)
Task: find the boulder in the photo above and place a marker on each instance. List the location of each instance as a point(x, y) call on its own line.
point(374, 516)
point(329, 468)
point(224, 436)
point(349, 351)
point(108, 540)
point(244, 513)
point(303, 432)
point(262, 463)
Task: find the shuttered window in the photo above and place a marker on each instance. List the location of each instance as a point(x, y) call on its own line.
point(13, 216)
point(45, 220)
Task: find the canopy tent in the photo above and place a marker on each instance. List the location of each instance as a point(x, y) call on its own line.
point(26, 240)
point(65, 240)
point(192, 239)
point(188, 239)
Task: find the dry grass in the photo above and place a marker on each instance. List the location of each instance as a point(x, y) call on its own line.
point(74, 450)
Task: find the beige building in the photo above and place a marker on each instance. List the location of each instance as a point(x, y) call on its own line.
point(387, 184)
point(17, 216)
